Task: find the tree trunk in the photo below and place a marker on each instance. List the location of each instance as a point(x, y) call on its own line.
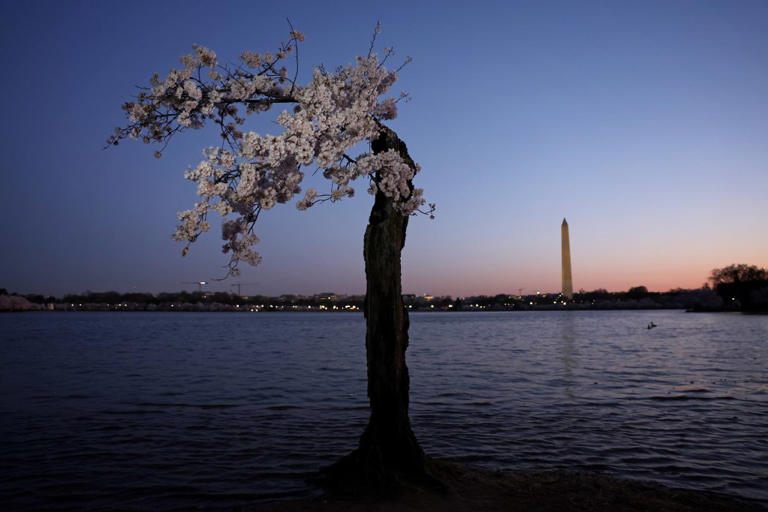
point(388, 436)
point(389, 455)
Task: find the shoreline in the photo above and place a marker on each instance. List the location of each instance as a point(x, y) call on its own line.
point(219, 308)
point(475, 489)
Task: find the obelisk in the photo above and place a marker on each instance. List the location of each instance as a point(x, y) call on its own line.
point(567, 280)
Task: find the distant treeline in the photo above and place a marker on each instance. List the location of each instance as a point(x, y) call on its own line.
point(737, 287)
point(704, 299)
point(133, 299)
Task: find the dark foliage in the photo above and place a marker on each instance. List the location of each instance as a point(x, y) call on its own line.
point(746, 286)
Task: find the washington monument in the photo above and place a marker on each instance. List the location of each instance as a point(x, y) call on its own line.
point(567, 280)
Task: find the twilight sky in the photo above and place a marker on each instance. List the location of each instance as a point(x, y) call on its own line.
point(644, 124)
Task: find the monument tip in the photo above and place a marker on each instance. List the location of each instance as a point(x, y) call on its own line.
point(564, 221)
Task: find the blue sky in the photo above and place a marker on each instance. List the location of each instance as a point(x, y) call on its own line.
point(644, 123)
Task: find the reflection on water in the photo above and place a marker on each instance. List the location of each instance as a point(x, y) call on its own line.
point(174, 411)
point(568, 352)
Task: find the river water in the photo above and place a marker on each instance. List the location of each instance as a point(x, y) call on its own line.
point(171, 411)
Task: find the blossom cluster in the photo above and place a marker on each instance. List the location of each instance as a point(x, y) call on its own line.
point(252, 172)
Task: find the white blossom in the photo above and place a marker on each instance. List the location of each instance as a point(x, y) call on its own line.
point(206, 56)
point(253, 172)
point(252, 60)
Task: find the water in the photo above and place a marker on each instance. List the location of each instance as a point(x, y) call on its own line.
point(174, 411)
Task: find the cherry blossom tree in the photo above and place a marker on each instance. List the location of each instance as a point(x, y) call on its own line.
point(248, 173)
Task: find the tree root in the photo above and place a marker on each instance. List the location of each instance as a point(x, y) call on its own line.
point(368, 472)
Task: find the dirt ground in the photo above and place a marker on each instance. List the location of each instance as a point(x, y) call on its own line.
point(552, 491)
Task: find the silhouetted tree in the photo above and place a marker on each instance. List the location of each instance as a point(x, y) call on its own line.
point(249, 173)
point(737, 274)
point(599, 294)
point(637, 292)
point(741, 282)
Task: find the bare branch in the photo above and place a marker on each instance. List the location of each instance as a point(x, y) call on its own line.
point(376, 31)
point(295, 39)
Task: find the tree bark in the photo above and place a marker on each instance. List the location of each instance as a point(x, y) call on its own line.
point(389, 456)
point(388, 436)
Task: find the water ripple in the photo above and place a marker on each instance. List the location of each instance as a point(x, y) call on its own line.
point(174, 412)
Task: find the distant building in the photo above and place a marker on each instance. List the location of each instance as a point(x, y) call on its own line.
point(566, 249)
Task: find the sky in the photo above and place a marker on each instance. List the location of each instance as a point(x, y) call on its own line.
point(645, 124)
